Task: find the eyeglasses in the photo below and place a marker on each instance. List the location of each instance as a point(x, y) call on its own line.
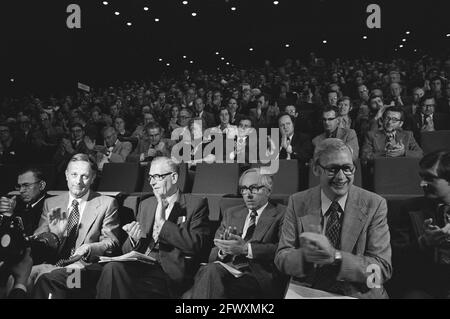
point(158, 177)
point(25, 185)
point(329, 119)
point(254, 189)
point(392, 119)
point(333, 170)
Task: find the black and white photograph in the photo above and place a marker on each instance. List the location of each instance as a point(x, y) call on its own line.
point(227, 155)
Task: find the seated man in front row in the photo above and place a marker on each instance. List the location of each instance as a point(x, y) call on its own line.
point(335, 236)
point(172, 228)
point(251, 254)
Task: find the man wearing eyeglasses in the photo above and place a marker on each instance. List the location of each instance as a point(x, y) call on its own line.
point(421, 241)
point(391, 141)
point(245, 245)
point(427, 120)
point(335, 236)
point(172, 228)
point(330, 120)
point(31, 187)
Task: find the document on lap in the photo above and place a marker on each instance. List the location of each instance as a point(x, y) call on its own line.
point(131, 256)
point(236, 273)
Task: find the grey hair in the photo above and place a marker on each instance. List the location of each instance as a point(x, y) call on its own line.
point(264, 179)
point(328, 146)
point(173, 166)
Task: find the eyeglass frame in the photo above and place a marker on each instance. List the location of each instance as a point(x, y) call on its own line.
point(25, 185)
point(392, 119)
point(253, 189)
point(160, 178)
point(340, 168)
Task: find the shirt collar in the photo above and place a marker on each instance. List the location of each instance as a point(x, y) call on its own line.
point(326, 202)
point(79, 200)
point(260, 210)
point(173, 198)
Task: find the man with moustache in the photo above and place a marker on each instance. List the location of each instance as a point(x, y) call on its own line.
point(421, 243)
point(335, 233)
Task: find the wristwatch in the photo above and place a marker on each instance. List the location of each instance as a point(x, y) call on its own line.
point(337, 258)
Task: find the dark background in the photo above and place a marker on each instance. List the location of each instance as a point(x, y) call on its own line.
point(43, 55)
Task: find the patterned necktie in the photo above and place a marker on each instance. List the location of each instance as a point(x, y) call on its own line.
point(325, 276)
point(390, 139)
point(72, 233)
point(251, 225)
point(332, 134)
point(333, 227)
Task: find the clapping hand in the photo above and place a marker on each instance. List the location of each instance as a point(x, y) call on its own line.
point(57, 222)
point(235, 245)
point(317, 249)
point(134, 230)
point(396, 150)
point(433, 235)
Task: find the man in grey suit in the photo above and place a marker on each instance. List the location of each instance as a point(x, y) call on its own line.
point(89, 219)
point(330, 119)
point(245, 241)
point(335, 236)
point(391, 141)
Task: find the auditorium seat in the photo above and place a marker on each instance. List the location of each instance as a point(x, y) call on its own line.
point(315, 180)
point(8, 178)
point(433, 141)
point(215, 180)
point(396, 176)
point(120, 177)
point(286, 181)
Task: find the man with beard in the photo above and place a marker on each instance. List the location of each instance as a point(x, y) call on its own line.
point(335, 233)
point(421, 244)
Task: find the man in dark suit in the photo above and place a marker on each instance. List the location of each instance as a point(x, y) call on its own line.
point(427, 120)
point(90, 223)
point(391, 141)
point(31, 185)
point(335, 236)
point(421, 242)
point(209, 119)
point(246, 241)
point(172, 228)
point(293, 145)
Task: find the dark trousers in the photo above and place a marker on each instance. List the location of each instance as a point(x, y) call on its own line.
point(132, 280)
point(214, 282)
point(62, 284)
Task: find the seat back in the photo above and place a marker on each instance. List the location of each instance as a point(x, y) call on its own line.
point(120, 177)
point(286, 181)
point(396, 176)
point(216, 178)
point(436, 140)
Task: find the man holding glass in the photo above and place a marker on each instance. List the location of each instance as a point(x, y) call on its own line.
point(335, 236)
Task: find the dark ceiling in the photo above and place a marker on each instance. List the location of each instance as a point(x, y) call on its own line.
point(42, 54)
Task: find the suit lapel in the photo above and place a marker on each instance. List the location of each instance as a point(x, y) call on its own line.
point(264, 222)
point(380, 140)
point(178, 209)
point(90, 214)
point(311, 220)
point(355, 216)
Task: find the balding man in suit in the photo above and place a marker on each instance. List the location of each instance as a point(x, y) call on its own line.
point(246, 240)
point(334, 235)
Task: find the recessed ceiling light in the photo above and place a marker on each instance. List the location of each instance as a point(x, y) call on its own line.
point(117, 13)
point(276, 2)
point(184, 57)
point(160, 60)
point(129, 24)
point(251, 49)
point(185, 2)
point(191, 62)
point(324, 41)
point(168, 64)
point(233, 8)
point(365, 37)
point(156, 20)
point(194, 14)
point(222, 58)
point(287, 45)
point(105, 3)
point(145, 8)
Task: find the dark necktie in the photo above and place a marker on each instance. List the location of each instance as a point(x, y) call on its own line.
point(332, 134)
point(251, 226)
point(325, 277)
point(72, 233)
point(390, 138)
point(333, 227)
